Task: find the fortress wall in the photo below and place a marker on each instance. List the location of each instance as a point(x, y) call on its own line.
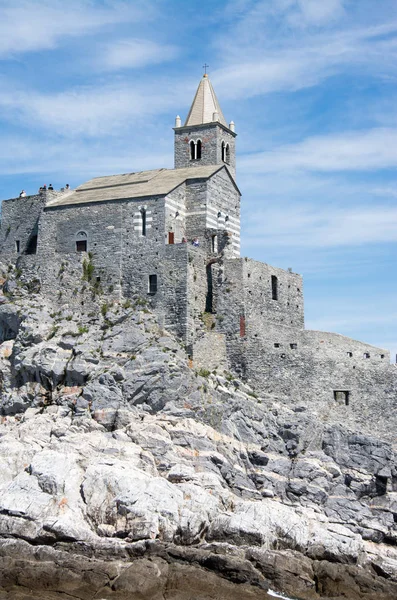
point(287, 310)
point(19, 219)
point(174, 289)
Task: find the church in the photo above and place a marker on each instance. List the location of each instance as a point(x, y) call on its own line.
point(171, 237)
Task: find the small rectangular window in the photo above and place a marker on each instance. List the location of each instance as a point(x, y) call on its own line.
point(17, 246)
point(171, 237)
point(277, 345)
point(349, 354)
point(152, 284)
point(293, 346)
point(367, 355)
point(81, 246)
point(342, 396)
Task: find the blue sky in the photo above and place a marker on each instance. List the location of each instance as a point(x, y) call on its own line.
point(92, 87)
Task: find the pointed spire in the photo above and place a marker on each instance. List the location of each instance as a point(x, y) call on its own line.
point(205, 105)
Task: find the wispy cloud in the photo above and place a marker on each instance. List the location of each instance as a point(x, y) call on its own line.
point(31, 25)
point(98, 109)
point(132, 53)
point(277, 48)
point(348, 151)
point(319, 226)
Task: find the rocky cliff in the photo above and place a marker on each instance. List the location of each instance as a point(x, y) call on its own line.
point(126, 473)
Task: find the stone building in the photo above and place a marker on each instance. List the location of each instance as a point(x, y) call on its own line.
point(172, 237)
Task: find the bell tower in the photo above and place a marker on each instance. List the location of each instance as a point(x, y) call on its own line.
point(205, 138)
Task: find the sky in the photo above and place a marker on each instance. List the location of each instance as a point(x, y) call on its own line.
point(92, 87)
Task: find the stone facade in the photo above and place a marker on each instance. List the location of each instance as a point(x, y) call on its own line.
point(171, 239)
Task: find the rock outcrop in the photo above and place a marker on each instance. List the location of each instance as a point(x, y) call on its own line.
point(125, 472)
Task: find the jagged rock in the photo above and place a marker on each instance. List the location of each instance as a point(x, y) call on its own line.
point(110, 445)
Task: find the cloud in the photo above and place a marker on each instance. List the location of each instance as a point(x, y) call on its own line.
point(313, 12)
point(349, 151)
point(132, 53)
point(32, 25)
point(318, 226)
point(94, 110)
point(75, 161)
point(274, 51)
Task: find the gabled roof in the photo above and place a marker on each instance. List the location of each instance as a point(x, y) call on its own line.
point(204, 105)
point(158, 182)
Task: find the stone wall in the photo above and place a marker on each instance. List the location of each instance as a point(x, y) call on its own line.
point(19, 223)
point(210, 352)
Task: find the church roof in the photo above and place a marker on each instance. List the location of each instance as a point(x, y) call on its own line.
point(158, 182)
point(204, 105)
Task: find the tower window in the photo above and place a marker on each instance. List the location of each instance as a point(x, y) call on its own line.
point(143, 221)
point(223, 152)
point(195, 150)
point(81, 241)
point(17, 246)
point(227, 154)
point(152, 284)
point(274, 288)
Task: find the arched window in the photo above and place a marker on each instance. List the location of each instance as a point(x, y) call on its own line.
point(192, 150)
point(274, 288)
point(143, 221)
point(81, 241)
point(223, 152)
point(198, 149)
point(227, 154)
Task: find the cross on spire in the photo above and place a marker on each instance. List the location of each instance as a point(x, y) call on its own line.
point(205, 67)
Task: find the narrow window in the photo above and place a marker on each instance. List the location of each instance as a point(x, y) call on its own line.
point(223, 152)
point(349, 354)
point(152, 284)
point(17, 246)
point(198, 150)
point(227, 154)
point(81, 241)
point(293, 346)
point(192, 150)
point(214, 243)
point(274, 288)
point(171, 237)
point(382, 356)
point(367, 355)
point(143, 218)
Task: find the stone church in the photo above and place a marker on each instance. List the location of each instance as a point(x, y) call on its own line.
point(172, 238)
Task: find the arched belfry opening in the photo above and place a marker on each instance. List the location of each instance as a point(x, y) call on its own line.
point(192, 150)
point(198, 150)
